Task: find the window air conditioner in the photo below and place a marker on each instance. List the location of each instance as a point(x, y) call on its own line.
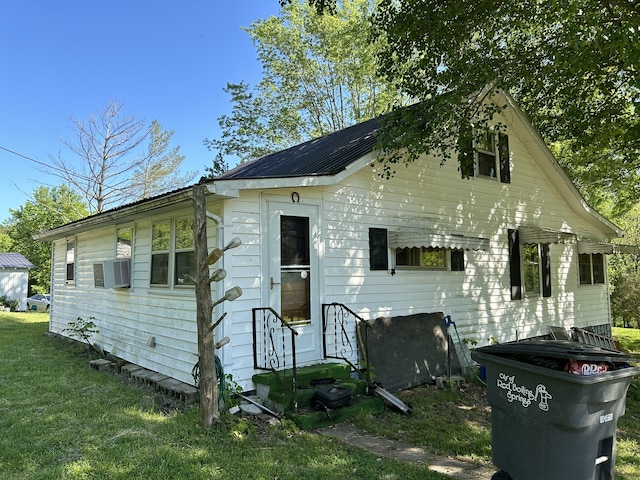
point(112, 274)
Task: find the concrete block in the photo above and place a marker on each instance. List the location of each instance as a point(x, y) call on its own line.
point(455, 381)
point(100, 364)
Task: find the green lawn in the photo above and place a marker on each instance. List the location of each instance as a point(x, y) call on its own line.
point(458, 423)
point(60, 419)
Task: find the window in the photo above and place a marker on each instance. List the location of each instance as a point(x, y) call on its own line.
point(295, 270)
point(490, 157)
point(172, 252)
point(378, 249)
point(591, 268)
point(486, 155)
point(529, 268)
point(429, 258)
point(71, 261)
point(124, 242)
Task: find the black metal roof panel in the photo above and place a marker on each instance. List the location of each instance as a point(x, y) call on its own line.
point(326, 155)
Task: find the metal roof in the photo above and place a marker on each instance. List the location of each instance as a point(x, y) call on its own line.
point(326, 155)
point(14, 260)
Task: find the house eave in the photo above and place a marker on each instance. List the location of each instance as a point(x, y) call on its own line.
point(232, 187)
point(117, 215)
point(560, 178)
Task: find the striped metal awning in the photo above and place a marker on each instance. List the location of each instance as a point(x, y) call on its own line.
point(588, 246)
point(530, 234)
point(428, 238)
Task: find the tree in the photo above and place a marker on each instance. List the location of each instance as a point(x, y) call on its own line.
point(321, 6)
point(5, 240)
point(319, 77)
point(158, 172)
point(113, 166)
point(50, 207)
point(571, 65)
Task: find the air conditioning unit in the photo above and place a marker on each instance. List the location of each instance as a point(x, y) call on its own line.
point(112, 274)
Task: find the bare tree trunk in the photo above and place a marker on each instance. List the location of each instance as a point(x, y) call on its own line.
point(204, 310)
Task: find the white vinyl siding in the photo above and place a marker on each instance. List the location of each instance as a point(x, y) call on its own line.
point(423, 195)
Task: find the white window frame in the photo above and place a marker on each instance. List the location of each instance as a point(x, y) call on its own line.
point(530, 290)
point(592, 280)
point(415, 254)
point(171, 250)
point(123, 250)
point(71, 261)
point(492, 151)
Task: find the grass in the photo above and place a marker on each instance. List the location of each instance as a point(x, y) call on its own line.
point(60, 419)
point(458, 423)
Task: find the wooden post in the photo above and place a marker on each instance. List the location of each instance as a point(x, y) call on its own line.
point(208, 382)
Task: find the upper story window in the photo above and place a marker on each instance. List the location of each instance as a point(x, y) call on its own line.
point(71, 261)
point(485, 153)
point(492, 155)
point(591, 267)
point(172, 253)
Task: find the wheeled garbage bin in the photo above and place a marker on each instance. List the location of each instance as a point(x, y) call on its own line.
point(554, 408)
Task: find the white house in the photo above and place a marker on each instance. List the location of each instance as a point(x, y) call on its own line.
point(507, 253)
point(14, 277)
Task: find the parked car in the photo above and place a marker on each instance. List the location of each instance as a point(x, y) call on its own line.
point(39, 302)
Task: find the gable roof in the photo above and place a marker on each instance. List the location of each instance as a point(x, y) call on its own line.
point(328, 155)
point(324, 161)
point(14, 260)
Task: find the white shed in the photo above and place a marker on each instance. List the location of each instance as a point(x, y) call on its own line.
point(14, 278)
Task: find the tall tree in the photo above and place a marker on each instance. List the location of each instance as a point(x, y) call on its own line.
point(112, 166)
point(159, 172)
point(48, 208)
point(319, 76)
point(572, 66)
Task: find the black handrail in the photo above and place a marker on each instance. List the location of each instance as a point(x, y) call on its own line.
point(336, 319)
point(270, 346)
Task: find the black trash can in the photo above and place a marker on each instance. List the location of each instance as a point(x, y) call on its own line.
point(548, 423)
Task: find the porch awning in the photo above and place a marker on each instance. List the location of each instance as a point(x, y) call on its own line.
point(427, 238)
point(543, 235)
point(586, 246)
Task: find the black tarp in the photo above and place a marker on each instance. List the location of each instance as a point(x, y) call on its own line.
point(406, 351)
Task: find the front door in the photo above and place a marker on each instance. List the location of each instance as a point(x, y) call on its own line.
point(293, 285)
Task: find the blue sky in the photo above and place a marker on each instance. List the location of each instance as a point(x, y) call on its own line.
point(165, 60)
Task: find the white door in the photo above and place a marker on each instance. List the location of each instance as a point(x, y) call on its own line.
point(293, 287)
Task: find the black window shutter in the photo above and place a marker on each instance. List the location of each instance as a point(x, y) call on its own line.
point(546, 270)
point(378, 250)
point(457, 260)
point(514, 264)
point(503, 151)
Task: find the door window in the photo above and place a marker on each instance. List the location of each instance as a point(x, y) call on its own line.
point(295, 300)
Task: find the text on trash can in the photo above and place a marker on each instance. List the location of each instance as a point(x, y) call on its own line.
point(523, 394)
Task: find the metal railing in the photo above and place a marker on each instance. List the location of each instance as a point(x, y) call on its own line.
point(337, 321)
point(272, 336)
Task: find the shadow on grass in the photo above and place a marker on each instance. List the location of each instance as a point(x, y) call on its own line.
point(61, 419)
